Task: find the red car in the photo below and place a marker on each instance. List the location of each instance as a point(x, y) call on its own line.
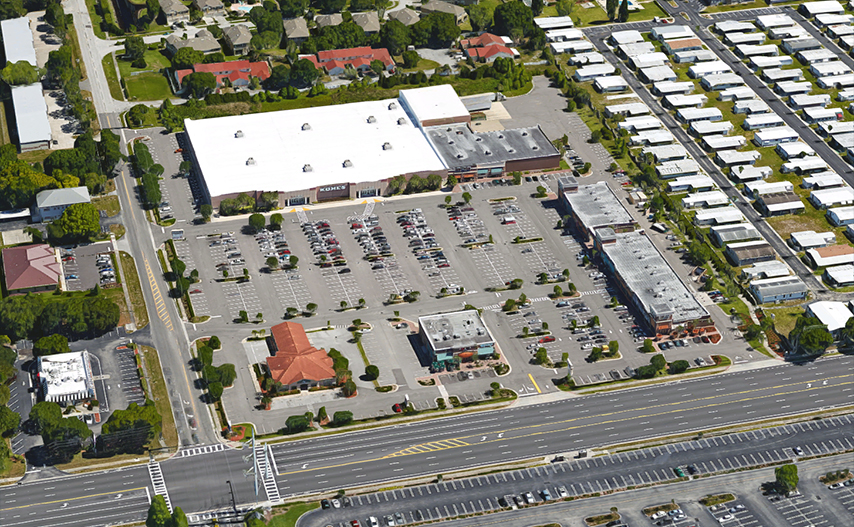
point(397, 408)
point(355, 523)
point(547, 339)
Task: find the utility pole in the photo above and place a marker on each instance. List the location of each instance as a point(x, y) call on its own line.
point(233, 502)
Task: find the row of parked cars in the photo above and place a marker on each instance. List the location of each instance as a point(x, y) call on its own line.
point(105, 269)
point(323, 243)
point(373, 241)
point(514, 501)
point(422, 241)
point(274, 244)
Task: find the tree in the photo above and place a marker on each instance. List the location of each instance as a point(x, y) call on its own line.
point(624, 12)
point(810, 336)
point(293, 260)
point(79, 221)
point(185, 58)
point(658, 362)
point(12, 9)
point(753, 331)
point(153, 9)
point(55, 16)
point(214, 343)
point(342, 418)
point(303, 73)
point(394, 36)
point(613, 347)
point(143, 419)
point(377, 66)
point(564, 7)
point(558, 292)
point(134, 48)
point(787, 477)
point(51, 345)
point(372, 372)
point(679, 366)
point(199, 84)
point(512, 17)
point(215, 391)
point(349, 389)
point(206, 210)
point(611, 9)
point(257, 222)
point(296, 423)
point(595, 355)
point(329, 6)
point(20, 73)
point(179, 519)
point(410, 57)
point(541, 357)
point(272, 262)
point(293, 8)
point(594, 322)
point(537, 7)
point(158, 513)
point(9, 421)
point(276, 221)
point(435, 30)
point(227, 374)
point(480, 16)
point(466, 197)
point(279, 77)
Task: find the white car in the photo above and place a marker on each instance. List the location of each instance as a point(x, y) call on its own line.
point(726, 518)
point(373, 521)
point(658, 515)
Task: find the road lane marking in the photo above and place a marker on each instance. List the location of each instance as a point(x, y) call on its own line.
point(69, 499)
point(159, 304)
point(417, 449)
point(535, 383)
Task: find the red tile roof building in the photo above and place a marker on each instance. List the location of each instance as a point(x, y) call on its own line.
point(30, 268)
point(297, 364)
point(482, 40)
point(335, 61)
point(237, 72)
point(490, 53)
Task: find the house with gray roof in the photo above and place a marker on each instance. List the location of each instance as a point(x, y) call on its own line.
point(204, 41)
point(237, 39)
point(209, 7)
point(296, 29)
point(175, 11)
point(437, 6)
point(50, 204)
point(328, 20)
point(405, 16)
point(369, 21)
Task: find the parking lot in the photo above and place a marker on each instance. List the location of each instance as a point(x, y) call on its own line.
point(799, 511)
point(86, 266)
point(127, 376)
point(734, 514)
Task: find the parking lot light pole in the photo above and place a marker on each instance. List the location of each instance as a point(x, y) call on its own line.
point(233, 502)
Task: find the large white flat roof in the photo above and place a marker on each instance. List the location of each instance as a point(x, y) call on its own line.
point(30, 114)
point(18, 40)
point(281, 149)
point(433, 102)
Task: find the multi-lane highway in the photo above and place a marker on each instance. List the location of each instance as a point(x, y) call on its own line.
point(198, 482)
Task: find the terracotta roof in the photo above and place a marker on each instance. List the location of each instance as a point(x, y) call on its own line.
point(684, 43)
point(485, 39)
point(834, 250)
point(232, 70)
point(355, 56)
point(488, 51)
point(30, 266)
point(296, 359)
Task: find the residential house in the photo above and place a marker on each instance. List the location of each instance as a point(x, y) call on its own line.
point(31, 268)
point(405, 16)
point(740, 232)
point(841, 216)
point(50, 204)
point(437, 6)
point(204, 41)
point(832, 197)
point(775, 136)
point(335, 61)
point(834, 315)
point(747, 253)
point(296, 29)
point(237, 39)
point(829, 256)
point(839, 275)
point(174, 11)
point(685, 44)
point(490, 53)
point(780, 204)
point(237, 73)
point(610, 84)
point(369, 21)
point(328, 20)
point(803, 240)
point(209, 7)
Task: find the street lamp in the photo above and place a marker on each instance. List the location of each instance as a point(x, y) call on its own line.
point(233, 502)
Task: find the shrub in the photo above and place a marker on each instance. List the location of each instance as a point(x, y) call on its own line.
point(205, 355)
point(214, 343)
point(342, 418)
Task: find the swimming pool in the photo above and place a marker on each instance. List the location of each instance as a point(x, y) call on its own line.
point(241, 7)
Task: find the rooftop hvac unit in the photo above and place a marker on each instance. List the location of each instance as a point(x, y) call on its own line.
point(501, 136)
point(238, 134)
point(459, 156)
point(535, 147)
point(372, 119)
point(478, 139)
point(250, 161)
point(402, 120)
point(524, 134)
point(307, 168)
point(511, 151)
point(386, 146)
point(450, 141)
point(487, 152)
point(392, 106)
point(347, 163)
point(306, 126)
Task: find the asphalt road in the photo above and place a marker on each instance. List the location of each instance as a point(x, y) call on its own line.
point(197, 483)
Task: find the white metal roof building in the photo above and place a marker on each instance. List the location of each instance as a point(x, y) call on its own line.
point(729, 158)
point(739, 93)
point(811, 9)
point(610, 84)
point(729, 26)
point(754, 189)
point(751, 106)
point(636, 48)
point(18, 40)
point(592, 57)
point(830, 82)
point(648, 60)
point(778, 289)
point(657, 74)
point(666, 153)
point(690, 183)
point(554, 22)
point(694, 55)
point(779, 75)
point(671, 88)
point(652, 137)
point(671, 32)
point(839, 216)
point(769, 269)
point(571, 46)
point(719, 216)
point(834, 67)
point(564, 35)
point(788, 88)
point(632, 109)
point(723, 142)
point(685, 101)
point(778, 20)
point(771, 62)
point(806, 165)
point(721, 81)
point(753, 50)
point(832, 19)
point(704, 69)
point(799, 102)
point(619, 38)
point(832, 197)
point(840, 275)
point(596, 205)
point(31, 118)
point(51, 203)
point(682, 167)
point(734, 39)
point(724, 234)
point(743, 174)
point(655, 289)
point(796, 31)
point(327, 148)
point(823, 115)
point(833, 255)
point(712, 198)
point(804, 240)
point(66, 378)
point(588, 73)
point(690, 115)
point(796, 149)
point(775, 136)
point(834, 315)
point(700, 128)
point(823, 181)
point(817, 56)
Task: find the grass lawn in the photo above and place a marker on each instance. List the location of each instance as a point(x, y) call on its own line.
point(109, 204)
point(423, 64)
point(109, 66)
point(289, 518)
point(154, 61)
point(5, 138)
point(96, 19)
point(587, 17)
point(752, 5)
point(134, 290)
point(34, 156)
point(159, 394)
point(785, 318)
point(118, 229)
point(650, 10)
point(148, 87)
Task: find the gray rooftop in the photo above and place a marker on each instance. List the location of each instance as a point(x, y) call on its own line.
point(738, 232)
point(460, 147)
point(778, 286)
point(448, 331)
point(647, 274)
point(30, 114)
point(596, 205)
point(18, 40)
point(62, 196)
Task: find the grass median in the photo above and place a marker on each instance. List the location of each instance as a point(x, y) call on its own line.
point(159, 394)
point(134, 290)
point(109, 66)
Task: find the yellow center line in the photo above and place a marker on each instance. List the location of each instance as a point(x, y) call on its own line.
point(535, 383)
point(69, 499)
point(408, 451)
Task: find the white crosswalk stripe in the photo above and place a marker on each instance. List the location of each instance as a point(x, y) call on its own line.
point(159, 483)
